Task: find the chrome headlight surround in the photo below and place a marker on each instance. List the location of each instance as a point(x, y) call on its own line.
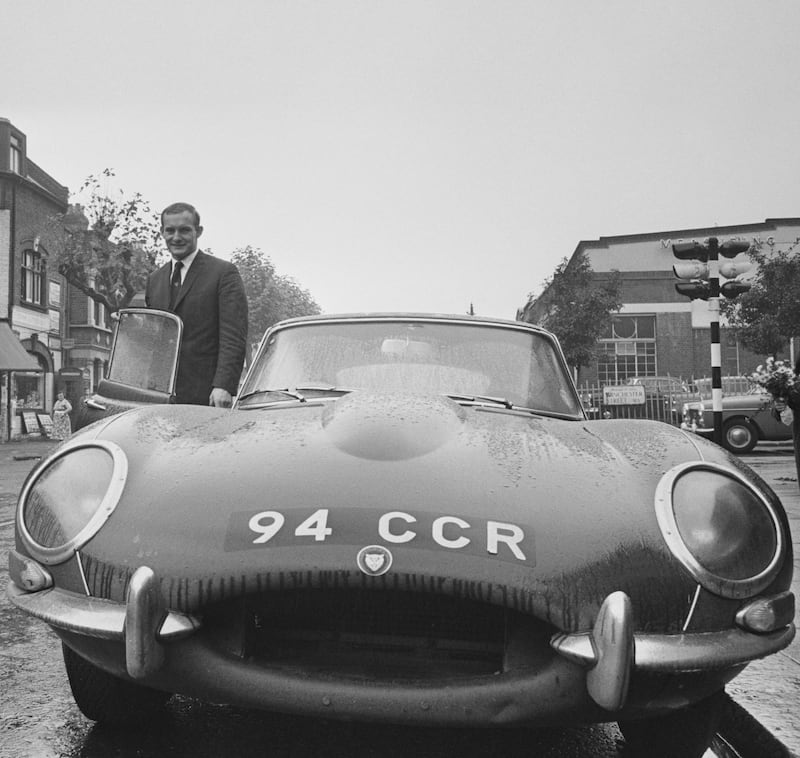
point(106, 502)
point(724, 586)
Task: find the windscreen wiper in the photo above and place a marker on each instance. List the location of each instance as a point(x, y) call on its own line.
point(284, 391)
point(482, 399)
point(297, 393)
point(322, 388)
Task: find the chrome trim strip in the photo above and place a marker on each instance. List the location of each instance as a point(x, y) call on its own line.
point(82, 572)
point(91, 616)
point(697, 591)
point(119, 474)
point(665, 515)
point(668, 653)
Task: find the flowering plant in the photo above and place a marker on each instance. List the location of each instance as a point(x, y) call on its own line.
point(778, 378)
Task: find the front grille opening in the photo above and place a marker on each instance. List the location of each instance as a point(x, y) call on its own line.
point(376, 635)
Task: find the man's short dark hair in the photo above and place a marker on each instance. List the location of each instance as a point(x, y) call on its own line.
point(180, 208)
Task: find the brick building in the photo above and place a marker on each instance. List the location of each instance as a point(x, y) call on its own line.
point(65, 335)
point(31, 294)
point(657, 331)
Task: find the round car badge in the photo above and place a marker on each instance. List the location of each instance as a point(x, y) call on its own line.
point(374, 560)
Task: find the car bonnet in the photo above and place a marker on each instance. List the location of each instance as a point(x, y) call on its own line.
point(233, 502)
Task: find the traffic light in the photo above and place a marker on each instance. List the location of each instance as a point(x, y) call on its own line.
point(734, 289)
point(701, 270)
point(732, 248)
point(688, 251)
point(694, 290)
point(695, 271)
point(732, 269)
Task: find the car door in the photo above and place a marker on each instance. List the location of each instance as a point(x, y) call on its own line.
point(143, 365)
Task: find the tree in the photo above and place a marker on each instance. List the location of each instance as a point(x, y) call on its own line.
point(577, 307)
point(768, 316)
point(106, 245)
point(270, 296)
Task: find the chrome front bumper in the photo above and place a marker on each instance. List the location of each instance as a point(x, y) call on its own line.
point(609, 653)
point(142, 623)
point(704, 431)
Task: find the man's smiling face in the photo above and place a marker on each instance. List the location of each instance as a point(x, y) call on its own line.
point(180, 233)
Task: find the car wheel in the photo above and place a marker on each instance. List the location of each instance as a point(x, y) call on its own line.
point(108, 699)
point(739, 435)
point(685, 733)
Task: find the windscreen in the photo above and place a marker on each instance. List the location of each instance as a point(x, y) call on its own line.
point(417, 357)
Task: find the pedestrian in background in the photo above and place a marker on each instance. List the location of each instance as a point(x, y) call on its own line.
point(62, 427)
point(208, 294)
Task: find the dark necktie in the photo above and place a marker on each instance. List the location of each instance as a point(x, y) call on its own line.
point(175, 284)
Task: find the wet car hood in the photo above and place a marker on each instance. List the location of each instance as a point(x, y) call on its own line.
point(581, 492)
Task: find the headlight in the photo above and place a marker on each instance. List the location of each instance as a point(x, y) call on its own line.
point(63, 504)
point(726, 533)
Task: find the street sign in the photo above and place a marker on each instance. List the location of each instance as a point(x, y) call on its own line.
point(628, 394)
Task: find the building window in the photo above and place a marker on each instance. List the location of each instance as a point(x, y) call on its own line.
point(99, 372)
point(33, 275)
point(15, 156)
point(27, 387)
point(628, 349)
point(99, 313)
point(55, 293)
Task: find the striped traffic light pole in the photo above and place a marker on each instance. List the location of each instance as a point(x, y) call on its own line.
point(716, 352)
point(699, 275)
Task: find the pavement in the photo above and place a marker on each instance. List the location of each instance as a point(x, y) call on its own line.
point(768, 689)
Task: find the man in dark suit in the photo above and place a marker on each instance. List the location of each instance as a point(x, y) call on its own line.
point(208, 294)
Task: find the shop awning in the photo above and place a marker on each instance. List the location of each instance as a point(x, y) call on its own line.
point(13, 356)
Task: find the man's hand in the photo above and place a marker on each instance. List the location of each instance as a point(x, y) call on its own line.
point(220, 398)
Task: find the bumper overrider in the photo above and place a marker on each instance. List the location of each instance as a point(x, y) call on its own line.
point(589, 673)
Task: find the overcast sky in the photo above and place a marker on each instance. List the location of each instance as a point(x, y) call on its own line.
point(410, 155)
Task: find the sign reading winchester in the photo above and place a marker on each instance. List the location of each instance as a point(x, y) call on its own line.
point(632, 394)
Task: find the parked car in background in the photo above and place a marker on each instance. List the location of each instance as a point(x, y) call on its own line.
point(731, 385)
point(747, 416)
point(404, 518)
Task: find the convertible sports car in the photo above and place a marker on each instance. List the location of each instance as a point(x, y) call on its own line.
point(404, 518)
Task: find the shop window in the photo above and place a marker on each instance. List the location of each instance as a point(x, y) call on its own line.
point(32, 279)
point(27, 388)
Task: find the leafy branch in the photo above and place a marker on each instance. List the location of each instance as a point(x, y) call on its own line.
point(107, 244)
